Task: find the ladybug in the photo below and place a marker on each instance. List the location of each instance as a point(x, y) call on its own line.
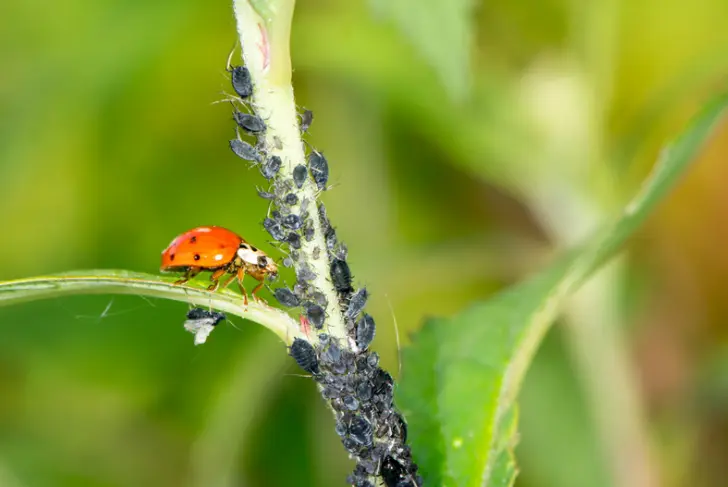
point(220, 251)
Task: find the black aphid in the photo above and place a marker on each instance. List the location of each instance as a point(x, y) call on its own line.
point(341, 276)
point(305, 273)
point(294, 240)
point(252, 124)
point(323, 217)
point(395, 474)
point(304, 355)
point(244, 150)
point(330, 237)
point(266, 195)
point(319, 298)
point(299, 175)
point(270, 167)
point(201, 314)
point(242, 84)
point(290, 199)
point(365, 330)
point(306, 120)
point(292, 221)
point(364, 391)
point(319, 168)
point(316, 315)
point(360, 430)
point(274, 228)
point(286, 297)
point(357, 303)
point(308, 233)
point(383, 382)
point(350, 403)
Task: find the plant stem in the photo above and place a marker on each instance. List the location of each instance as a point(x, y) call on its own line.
point(266, 53)
point(125, 282)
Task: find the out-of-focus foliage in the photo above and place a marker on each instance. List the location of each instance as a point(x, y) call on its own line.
point(110, 146)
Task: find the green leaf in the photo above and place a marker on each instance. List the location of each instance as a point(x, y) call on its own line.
point(442, 32)
point(462, 374)
point(128, 282)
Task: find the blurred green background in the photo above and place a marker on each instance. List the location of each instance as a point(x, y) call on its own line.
point(465, 149)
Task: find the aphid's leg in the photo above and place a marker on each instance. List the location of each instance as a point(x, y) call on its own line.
point(215, 278)
point(255, 296)
point(241, 274)
point(189, 274)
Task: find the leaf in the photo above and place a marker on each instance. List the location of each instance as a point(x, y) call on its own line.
point(463, 373)
point(128, 282)
point(442, 31)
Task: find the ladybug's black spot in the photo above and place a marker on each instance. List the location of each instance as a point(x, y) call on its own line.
point(253, 249)
point(244, 246)
point(193, 239)
point(196, 256)
point(171, 256)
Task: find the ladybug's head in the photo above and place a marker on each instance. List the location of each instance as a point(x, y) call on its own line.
point(269, 266)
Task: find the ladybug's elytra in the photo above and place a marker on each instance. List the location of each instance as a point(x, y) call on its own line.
point(221, 251)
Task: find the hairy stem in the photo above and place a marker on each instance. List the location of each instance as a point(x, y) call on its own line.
point(125, 282)
point(265, 35)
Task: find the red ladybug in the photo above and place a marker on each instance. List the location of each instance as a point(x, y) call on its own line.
point(218, 250)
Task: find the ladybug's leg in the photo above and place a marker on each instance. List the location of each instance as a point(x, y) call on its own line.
point(215, 278)
point(255, 296)
point(189, 274)
point(227, 281)
point(240, 275)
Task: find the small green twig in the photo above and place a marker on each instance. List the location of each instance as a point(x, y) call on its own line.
point(125, 282)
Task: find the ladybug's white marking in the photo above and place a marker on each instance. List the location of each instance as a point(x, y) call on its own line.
point(203, 229)
point(248, 256)
point(218, 257)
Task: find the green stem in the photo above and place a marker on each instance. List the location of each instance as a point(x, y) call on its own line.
point(264, 29)
point(125, 282)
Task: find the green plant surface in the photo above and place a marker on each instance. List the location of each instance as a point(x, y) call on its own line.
point(479, 357)
point(127, 282)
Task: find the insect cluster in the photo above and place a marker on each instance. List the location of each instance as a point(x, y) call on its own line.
point(359, 391)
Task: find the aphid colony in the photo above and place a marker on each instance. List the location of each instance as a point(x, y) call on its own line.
point(349, 377)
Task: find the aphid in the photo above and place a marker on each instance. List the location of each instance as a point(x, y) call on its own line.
point(306, 120)
point(201, 322)
point(394, 473)
point(299, 175)
point(274, 228)
point(308, 233)
point(365, 330)
point(360, 430)
point(319, 298)
point(357, 303)
point(294, 240)
point(316, 250)
point(341, 276)
point(315, 314)
point(330, 237)
point(266, 195)
point(290, 199)
point(252, 124)
point(319, 169)
point(364, 391)
point(244, 150)
point(240, 79)
point(220, 251)
point(270, 167)
point(292, 221)
point(288, 262)
point(286, 297)
point(350, 403)
point(305, 273)
point(305, 355)
point(323, 217)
